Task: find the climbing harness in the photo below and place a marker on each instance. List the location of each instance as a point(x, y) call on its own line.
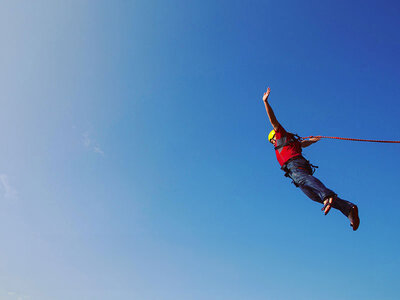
point(287, 140)
point(308, 167)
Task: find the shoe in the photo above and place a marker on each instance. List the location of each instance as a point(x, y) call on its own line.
point(353, 217)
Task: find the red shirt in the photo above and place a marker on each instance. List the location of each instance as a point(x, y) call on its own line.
point(289, 151)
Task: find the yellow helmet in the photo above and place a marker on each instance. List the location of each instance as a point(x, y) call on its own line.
point(271, 135)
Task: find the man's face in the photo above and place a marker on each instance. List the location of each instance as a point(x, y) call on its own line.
point(273, 140)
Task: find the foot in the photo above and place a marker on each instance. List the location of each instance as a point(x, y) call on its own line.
point(327, 205)
point(353, 217)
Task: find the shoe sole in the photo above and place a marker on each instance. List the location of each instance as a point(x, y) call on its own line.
point(355, 218)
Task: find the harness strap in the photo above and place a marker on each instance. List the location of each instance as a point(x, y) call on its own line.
point(312, 168)
point(292, 138)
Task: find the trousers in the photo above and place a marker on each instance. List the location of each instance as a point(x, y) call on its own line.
point(300, 171)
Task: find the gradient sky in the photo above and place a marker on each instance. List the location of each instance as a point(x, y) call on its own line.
point(134, 161)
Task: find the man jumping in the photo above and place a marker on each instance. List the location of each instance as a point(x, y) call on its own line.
point(288, 152)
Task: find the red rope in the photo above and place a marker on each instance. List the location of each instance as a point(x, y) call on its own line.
point(348, 139)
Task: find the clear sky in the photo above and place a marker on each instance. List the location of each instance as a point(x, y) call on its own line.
point(134, 161)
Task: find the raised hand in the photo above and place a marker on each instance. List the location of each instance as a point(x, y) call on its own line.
point(266, 94)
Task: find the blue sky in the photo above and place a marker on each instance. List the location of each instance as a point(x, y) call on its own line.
point(135, 163)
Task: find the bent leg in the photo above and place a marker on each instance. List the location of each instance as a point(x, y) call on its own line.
point(304, 179)
point(317, 191)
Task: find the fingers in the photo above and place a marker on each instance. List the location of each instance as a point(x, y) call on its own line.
point(327, 205)
point(314, 139)
point(266, 94)
point(326, 208)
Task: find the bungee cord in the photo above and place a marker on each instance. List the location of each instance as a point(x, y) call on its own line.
point(349, 139)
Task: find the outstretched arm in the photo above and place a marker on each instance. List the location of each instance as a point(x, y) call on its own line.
point(309, 142)
point(270, 112)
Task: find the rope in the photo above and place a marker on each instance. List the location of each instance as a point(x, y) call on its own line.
point(348, 139)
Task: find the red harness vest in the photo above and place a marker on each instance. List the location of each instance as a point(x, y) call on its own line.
point(286, 146)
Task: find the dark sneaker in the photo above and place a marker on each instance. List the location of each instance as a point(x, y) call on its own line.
point(353, 217)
